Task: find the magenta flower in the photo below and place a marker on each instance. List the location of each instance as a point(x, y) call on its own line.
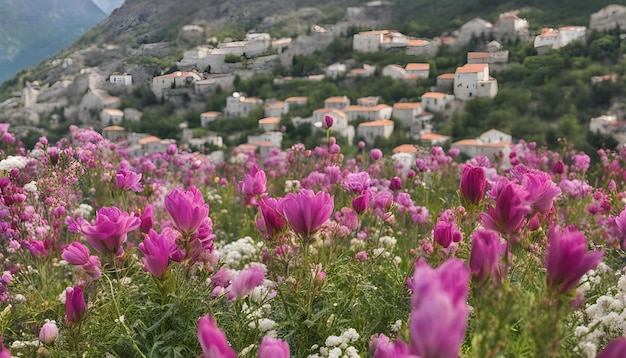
point(156, 251)
point(615, 349)
point(485, 255)
point(127, 180)
point(74, 305)
point(213, 340)
point(542, 190)
point(307, 211)
point(273, 348)
point(147, 219)
point(567, 259)
point(510, 211)
point(376, 154)
point(328, 122)
point(445, 233)
point(473, 182)
point(361, 202)
point(395, 184)
point(253, 184)
point(76, 254)
point(439, 311)
point(187, 209)
point(273, 221)
point(4, 352)
point(356, 182)
point(247, 281)
point(109, 231)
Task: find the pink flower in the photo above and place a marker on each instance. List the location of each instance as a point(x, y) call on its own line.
point(127, 180)
point(542, 190)
point(109, 231)
point(213, 340)
point(485, 255)
point(307, 211)
point(395, 184)
point(273, 220)
point(48, 333)
point(356, 182)
point(473, 182)
point(510, 211)
point(567, 259)
point(253, 183)
point(361, 202)
point(76, 254)
point(74, 305)
point(445, 233)
point(187, 209)
point(4, 352)
point(328, 121)
point(439, 309)
point(376, 154)
point(273, 348)
point(615, 349)
point(147, 219)
point(156, 251)
point(247, 280)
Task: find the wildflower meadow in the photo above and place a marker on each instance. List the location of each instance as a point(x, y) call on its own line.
point(307, 253)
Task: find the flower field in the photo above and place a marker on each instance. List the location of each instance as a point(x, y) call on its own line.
point(309, 253)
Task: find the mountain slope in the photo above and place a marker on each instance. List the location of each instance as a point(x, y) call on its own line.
point(31, 30)
point(107, 6)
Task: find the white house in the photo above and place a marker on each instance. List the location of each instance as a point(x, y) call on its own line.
point(396, 72)
point(369, 131)
point(121, 79)
point(240, 106)
point(608, 18)
point(369, 113)
point(269, 124)
point(475, 28)
point(276, 109)
point(510, 27)
point(337, 102)
point(335, 70)
point(340, 118)
point(602, 124)
point(425, 48)
point(368, 41)
point(473, 80)
point(173, 80)
point(114, 133)
point(406, 112)
point(366, 71)
point(421, 70)
point(436, 101)
point(208, 117)
point(273, 137)
point(489, 143)
point(110, 116)
point(445, 82)
point(369, 101)
point(553, 39)
point(434, 138)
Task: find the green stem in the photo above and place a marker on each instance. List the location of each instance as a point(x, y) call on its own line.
point(116, 304)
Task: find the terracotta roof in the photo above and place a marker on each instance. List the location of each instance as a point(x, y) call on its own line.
point(478, 55)
point(113, 128)
point(366, 108)
point(251, 100)
point(466, 142)
point(446, 76)
point(149, 139)
point(472, 68)
point(377, 32)
point(269, 120)
point(433, 136)
point(337, 99)
point(358, 70)
point(275, 104)
point(417, 66)
point(210, 114)
point(113, 111)
point(418, 42)
point(434, 95)
point(297, 99)
point(179, 74)
point(407, 105)
point(266, 144)
point(247, 146)
point(448, 39)
point(405, 148)
point(380, 122)
point(331, 111)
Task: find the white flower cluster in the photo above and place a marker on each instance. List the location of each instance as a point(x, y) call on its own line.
point(24, 344)
point(338, 346)
point(265, 325)
point(236, 253)
point(212, 196)
point(606, 317)
point(31, 187)
point(83, 210)
point(13, 162)
point(292, 186)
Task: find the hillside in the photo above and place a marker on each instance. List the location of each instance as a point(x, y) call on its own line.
point(36, 29)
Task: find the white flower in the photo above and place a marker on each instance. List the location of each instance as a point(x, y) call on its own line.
point(395, 327)
point(83, 210)
point(387, 241)
point(31, 187)
point(334, 353)
point(332, 341)
point(13, 162)
point(351, 352)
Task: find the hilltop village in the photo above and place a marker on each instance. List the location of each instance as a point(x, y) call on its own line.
point(97, 95)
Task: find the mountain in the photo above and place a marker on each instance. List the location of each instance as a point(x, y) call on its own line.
point(32, 30)
point(107, 6)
